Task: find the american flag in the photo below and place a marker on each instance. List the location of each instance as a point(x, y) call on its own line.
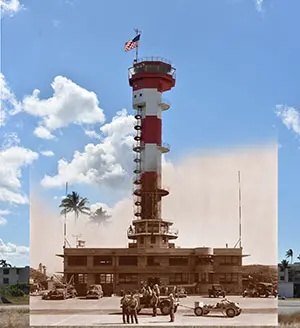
point(129, 45)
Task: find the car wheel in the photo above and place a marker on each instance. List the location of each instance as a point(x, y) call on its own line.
point(165, 309)
point(230, 313)
point(198, 311)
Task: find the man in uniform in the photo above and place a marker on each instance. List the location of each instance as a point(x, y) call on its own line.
point(172, 307)
point(125, 307)
point(133, 306)
point(154, 303)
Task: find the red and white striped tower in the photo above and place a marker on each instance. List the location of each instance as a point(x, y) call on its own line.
point(149, 78)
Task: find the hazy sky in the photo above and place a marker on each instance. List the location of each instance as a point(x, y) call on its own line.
point(203, 203)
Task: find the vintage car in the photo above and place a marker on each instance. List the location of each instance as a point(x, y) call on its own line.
point(216, 290)
point(260, 289)
point(163, 304)
point(59, 293)
point(55, 294)
point(228, 308)
point(94, 292)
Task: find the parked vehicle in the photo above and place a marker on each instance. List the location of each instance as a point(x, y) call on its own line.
point(228, 308)
point(163, 304)
point(216, 291)
point(94, 292)
point(60, 293)
point(260, 289)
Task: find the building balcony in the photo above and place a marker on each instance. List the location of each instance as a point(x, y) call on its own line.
point(134, 233)
point(159, 191)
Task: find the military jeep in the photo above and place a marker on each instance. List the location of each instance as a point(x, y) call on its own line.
point(163, 304)
point(216, 291)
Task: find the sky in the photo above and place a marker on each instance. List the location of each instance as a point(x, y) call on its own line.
point(66, 104)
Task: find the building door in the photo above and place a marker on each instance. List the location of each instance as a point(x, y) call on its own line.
point(153, 281)
point(106, 280)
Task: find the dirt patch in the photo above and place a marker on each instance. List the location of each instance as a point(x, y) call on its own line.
point(14, 318)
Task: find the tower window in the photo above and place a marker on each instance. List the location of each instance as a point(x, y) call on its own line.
point(134, 96)
point(153, 239)
point(141, 94)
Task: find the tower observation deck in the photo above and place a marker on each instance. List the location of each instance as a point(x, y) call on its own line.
point(149, 79)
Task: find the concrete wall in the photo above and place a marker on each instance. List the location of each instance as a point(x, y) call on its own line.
point(286, 289)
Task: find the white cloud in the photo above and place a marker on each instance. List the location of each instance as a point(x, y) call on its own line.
point(107, 163)
point(70, 104)
point(92, 134)
point(12, 160)
point(290, 117)
point(47, 153)
point(3, 221)
point(10, 6)
point(43, 133)
point(12, 252)
point(8, 101)
point(259, 5)
point(203, 204)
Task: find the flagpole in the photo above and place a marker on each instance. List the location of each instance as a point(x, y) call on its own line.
point(137, 47)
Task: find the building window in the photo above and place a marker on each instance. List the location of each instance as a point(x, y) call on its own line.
point(204, 260)
point(202, 277)
point(179, 278)
point(127, 278)
point(77, 260)
point(6, 281)
point(5, 271)
point(178, 260)
point(142, 240)
point(227, 278)
point(102, 260)
point(281, 278)
point(153, 239)
point(151, 261)
point(82, 278)
point(104, 278)
point(230, 260)
point(18, 271)
point(128, 260)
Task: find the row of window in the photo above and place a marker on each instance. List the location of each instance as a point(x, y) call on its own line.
point(151, 261)
point(7, 271)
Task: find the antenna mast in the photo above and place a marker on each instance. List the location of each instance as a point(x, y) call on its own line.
point(239, 242)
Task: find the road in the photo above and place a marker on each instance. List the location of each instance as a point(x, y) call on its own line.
point(288, 306)
point(106, 311)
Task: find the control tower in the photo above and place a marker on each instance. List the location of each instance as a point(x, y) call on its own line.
point(149, 79)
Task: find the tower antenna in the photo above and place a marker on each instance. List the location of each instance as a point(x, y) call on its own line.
point(239, 242)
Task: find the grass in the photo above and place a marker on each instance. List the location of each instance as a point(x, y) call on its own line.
point(23, 300)
point(289, 320)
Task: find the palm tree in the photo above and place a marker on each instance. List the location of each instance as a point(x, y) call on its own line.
point(298, 257)
point(284, 264)
point(100, 216)
point(4, 264)
point(74, 203)
point(290, 254)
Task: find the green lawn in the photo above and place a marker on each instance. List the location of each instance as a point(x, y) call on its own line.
point(24, 300)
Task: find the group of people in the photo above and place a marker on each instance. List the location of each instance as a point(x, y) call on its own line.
point(130, 302)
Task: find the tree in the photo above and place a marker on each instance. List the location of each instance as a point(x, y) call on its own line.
point(284, 264)
point(100, 216)
point(74, 203)
point(4, 264)
point(298, 257)
point(290, 254)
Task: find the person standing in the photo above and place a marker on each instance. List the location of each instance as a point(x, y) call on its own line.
point(133, 307)
point(125, 307)
point(154, 303)
point(172, 307)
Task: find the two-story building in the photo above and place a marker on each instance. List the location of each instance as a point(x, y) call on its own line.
point(14, 275)
point(289, 280)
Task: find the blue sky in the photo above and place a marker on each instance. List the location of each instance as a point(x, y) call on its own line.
point(236, 61)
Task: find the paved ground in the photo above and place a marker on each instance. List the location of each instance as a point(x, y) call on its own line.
point(288, 306)
point(106, 311)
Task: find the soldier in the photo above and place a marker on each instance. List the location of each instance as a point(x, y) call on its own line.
point(154, 303)
point(172, 307)
point(125, 307)
point(133, 306)
point(156, 290)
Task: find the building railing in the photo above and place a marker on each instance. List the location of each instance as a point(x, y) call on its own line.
point(166, 232)
point(154, 59)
